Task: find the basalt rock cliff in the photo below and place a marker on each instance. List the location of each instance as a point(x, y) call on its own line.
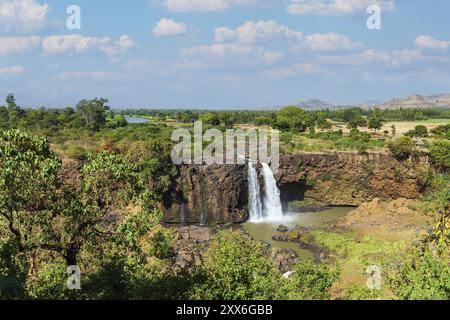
point(219, 194)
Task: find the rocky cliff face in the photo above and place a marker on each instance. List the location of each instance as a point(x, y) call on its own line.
point(349, 178)
point(219, 194)
point(208, 194)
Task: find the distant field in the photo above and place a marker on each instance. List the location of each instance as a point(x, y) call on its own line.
point(403, 126)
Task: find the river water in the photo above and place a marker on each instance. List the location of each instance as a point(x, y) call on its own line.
point(264, 230)
point(136, 120)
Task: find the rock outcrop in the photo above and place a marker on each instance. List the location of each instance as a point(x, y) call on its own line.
point(393, 216)
point(350, 179)
point(208, 194)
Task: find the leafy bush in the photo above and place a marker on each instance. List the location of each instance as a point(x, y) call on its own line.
point(76, 152)
point(402, 148)
point(440, 154)
point(311, 281)
point(292, 118)
point(236, 268)
point(421, 275)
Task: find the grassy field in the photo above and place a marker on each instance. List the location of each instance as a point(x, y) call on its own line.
point(401, 126)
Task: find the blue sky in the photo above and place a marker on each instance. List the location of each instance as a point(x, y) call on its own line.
point(222, 53)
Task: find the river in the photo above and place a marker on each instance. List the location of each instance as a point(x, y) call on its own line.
point(264, 230)
point(136, 120)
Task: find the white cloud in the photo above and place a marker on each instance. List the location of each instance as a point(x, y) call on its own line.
point(428, 42)
point(207, 5)
point(168, 27)
point(13, 45)
point(328, 42)
point(119, 47)
point(336, 7)
point(370, 56)
point(22, 16)
point(91, 75)
point(15, 70)
point(76, 43)
point(253, 32)
point(270, 31)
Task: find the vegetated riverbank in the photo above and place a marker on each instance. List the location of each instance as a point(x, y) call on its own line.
point(351, 238)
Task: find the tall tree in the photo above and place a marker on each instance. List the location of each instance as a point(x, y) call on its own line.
point(93, 112)
point(11, 102)
point(28, 176)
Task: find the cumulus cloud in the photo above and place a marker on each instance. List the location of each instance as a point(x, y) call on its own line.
point(336, 7)
point(76, 43)
point(328, 42)
point(428, 42)
point(119, 47)
point(253, 32)
point(15, 70)
point(270, 31)
point(22, 16)
point(14, 45)
point(207, 5)
point(168, 27)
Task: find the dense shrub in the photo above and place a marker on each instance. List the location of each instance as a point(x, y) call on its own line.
point(440, 154)
point(402, 148)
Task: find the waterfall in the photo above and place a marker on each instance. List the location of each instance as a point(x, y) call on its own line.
point(254, 194)
point(182, 213)
point(272, 201)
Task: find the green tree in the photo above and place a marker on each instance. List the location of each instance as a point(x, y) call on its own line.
point(402, 148)
point(375, 123)
point(292, 118)
point(11, 102)
point(236, 268)
point(93, 112)
point(393, 130)
point(421, 131)
point(440, 154)
point(28, 180)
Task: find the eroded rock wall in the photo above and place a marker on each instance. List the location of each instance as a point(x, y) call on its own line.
point(208, 194)
point(219, 194)
point(351, 179)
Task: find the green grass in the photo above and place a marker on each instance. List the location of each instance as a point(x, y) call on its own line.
point(366, 250)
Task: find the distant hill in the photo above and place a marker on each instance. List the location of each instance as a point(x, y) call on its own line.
point(418, 101)
point(315, 104)
point(411, 102)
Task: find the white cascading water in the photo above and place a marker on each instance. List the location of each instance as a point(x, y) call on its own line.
point(273, 209)
point(254, 194)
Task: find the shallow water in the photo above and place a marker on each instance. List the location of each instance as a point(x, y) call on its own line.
point(264, 230)
point(136, 120)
